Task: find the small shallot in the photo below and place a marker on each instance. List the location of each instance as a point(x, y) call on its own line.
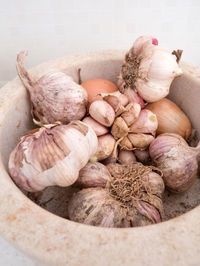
point(176, 159)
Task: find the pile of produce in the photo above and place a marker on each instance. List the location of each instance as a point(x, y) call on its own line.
point(121, 144)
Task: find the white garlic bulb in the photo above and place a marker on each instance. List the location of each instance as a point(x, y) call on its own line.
point(54, 96)
point(52, 156)
point(149, 69)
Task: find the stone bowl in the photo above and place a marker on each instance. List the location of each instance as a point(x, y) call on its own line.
point(45, 234)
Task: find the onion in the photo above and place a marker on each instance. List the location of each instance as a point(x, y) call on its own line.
point(171, 119)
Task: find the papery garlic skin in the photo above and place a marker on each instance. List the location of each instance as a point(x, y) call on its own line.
point(177, 161)
point(54, 96)
point(149, 69)
point(52, 156)
point(131, 113)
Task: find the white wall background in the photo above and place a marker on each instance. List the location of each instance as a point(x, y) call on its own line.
point(54, 28)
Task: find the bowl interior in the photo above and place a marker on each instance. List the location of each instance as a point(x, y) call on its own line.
point(16, 121)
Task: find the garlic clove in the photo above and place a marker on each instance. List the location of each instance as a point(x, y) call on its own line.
point(54, 96)
point(93, 175)
point(102, 112)
point(146, 123)
point(97, 127)
point(142, 155)
point(119, 128)
point(131, 113)
point(125, 144)
point(149, 211)
point(133, 97)
point(178, 161)
point(140, 141)
point(52, 156)
point(122, 99)
point(106, 145)
point(156, 184)
point(126, 157)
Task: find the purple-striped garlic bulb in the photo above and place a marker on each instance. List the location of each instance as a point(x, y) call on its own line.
point(149, 69)
point(131, 197)
point(54, 96)
point(52, 156)
point(176, 159)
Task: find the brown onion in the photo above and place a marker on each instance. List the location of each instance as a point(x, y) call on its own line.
point(171, 119)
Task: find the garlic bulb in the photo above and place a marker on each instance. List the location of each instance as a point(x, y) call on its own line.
point(94, 206)
point(102, 112)
point(52, 156)
point(93, 175)
point(54, 96)
point(131, 198)
point(178, 162)
point(149, 69)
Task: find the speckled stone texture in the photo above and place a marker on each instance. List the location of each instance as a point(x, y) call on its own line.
point(54, 240)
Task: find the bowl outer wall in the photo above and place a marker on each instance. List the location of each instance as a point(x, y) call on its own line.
point(53, 240)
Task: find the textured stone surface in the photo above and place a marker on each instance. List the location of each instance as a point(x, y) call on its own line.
point(57, 241)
